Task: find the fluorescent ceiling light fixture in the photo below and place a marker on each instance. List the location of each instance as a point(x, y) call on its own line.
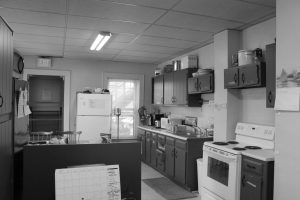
point(100, 41)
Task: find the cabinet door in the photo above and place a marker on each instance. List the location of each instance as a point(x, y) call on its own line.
point(249, 75)
point(205, 83)
point(271, 75)
point(192, 85)
point(180, 87)
point(2, 67)
point(170, 155)
point(142, 139)
point(148, 147)
point(6, 155)
point(180, 165)
point(168, 88)
point(251, 187)
point(153, 150)
point(158, 90)
point(231, 77)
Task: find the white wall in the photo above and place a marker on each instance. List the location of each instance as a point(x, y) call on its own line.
point(86, 73)
point(254, 100)
point(204, 114)
point(287, 161)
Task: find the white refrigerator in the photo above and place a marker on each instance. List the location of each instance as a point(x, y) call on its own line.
point(93, 116)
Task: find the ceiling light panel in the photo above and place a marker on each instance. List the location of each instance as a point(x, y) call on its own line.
point(114, 11)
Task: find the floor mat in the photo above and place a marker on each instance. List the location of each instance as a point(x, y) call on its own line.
point(168, 189)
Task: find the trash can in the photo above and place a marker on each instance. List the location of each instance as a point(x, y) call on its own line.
point(200, 172)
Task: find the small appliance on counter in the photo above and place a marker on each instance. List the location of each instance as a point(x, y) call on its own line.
point(164, 123)
point(157, 124)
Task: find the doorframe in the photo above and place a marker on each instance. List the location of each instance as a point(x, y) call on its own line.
point(67, 86)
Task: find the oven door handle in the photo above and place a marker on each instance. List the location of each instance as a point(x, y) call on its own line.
point(220, 156)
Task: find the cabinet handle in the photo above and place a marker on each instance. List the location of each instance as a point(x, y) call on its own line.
point(270, 96)
point(235, 78)
point(243, 77)
point(200, 85)
point(172, 153)
point(1, 101)
point(251, 184)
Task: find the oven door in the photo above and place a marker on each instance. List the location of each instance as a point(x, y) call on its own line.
point(221, 173)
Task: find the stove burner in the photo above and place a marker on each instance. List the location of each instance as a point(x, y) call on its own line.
point(239, 148)
point(232, 142)
point(220, 143)
point(252, 147)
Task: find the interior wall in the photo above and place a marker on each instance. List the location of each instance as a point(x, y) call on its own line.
point(287, 172)
point(85, 73)
point(204, 113)
point(254, 100)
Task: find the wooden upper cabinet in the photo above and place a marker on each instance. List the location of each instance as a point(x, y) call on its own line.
point(201, 84)
point(246, 76)
point(270, 75)
point(231, 77)
point(180, 87)
point(168, 88)
point(158, 86)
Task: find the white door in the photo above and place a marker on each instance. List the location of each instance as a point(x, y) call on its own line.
point(92, 126)
point(221, 174)
point(94, 104)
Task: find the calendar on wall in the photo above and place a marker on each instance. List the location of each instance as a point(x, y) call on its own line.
point(88, 183)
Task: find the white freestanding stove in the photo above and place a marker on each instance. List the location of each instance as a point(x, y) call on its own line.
point(222, 160)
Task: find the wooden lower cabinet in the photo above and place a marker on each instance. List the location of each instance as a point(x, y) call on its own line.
point(180, 165)
point(177, 160)
point(142, 138)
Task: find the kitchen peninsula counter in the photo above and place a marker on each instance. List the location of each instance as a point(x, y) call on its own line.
point(41, 161)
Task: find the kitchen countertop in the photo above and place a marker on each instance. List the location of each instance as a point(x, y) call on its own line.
point(260, 154)
point(169, 133)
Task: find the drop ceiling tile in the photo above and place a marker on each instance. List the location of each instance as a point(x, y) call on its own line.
point(78, 42)
point(196, 22)
point(81, 55)
point(123, 38)
point(116, 45)
point(39, 52)
point(165, 42)
point(89, 23)
point(37, 30)
point(178, 33)
point(165, 4)
point(137, 59)
point(18, 37)
point(58, 6)
point(30, 45)
point(35, 18)
point(114, 11)
point(271, 3)
point(143, 54)
point(86, 49)
point(230, 9)
point(81, 34)
point(154, 49)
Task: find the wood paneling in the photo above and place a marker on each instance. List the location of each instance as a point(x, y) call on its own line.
point(6, 144)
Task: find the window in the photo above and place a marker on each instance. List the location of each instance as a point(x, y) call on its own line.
point(125, 95)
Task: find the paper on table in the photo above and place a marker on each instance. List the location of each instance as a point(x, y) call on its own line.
point(287, 99)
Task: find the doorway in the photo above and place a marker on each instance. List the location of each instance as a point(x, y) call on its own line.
point(46, 97)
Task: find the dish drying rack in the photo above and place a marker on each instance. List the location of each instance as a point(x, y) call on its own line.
point(45, 137)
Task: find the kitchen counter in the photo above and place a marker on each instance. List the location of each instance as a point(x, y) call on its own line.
point(260, 154)
point(169, 133)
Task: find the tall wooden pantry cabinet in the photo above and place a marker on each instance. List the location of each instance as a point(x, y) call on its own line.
point(6, 143)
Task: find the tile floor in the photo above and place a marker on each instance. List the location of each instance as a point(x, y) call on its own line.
point(147, 192)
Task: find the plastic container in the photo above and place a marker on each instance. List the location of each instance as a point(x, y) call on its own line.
point(245, 57)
